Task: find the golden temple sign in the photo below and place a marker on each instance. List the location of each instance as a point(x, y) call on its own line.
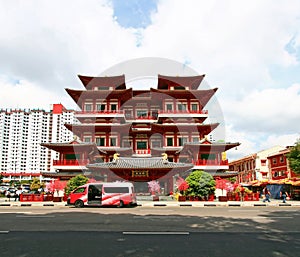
point(140, 173)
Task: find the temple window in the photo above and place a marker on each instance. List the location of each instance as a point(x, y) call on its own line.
point(141, 113)
point(128, 114)
point(100, 141)
point(87, 139)
point(88, 107)
point(170, 159)
point(182, 141)
point(194, 107)
point(113, 141)
point(154, 113)
point(155, 144)
point(113, 107)
point(170, 141)
point(195, 139)
point(126, 143)
point(181, 107)
point(169, 107)
point(141, 145)
point(101, 107)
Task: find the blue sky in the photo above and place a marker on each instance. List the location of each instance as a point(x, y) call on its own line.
point(249, 50)
point(134, 13)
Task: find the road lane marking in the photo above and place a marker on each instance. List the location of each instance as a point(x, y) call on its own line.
point(34, 216)
point(4, 232)
point(154, 233)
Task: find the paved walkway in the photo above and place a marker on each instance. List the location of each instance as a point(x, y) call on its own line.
point(163, 203)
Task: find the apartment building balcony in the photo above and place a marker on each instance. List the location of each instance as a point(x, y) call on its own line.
point(211, 164)
point(182, 113)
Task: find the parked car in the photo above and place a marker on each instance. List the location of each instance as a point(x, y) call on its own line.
point(10, 193)
point(3, 189)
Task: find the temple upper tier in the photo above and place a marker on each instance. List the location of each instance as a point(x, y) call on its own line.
point(169, 121)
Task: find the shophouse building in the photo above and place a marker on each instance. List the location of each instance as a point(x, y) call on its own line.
point(254, 167)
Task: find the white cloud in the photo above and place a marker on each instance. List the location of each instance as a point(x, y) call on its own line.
point(27, 95)
point(268, 110)
point(46, 44)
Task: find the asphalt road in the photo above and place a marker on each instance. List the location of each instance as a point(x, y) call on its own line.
point(143, 231)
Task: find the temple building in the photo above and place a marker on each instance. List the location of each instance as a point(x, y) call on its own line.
point(141, 135)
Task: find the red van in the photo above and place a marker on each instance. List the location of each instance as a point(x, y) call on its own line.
point(103, 194)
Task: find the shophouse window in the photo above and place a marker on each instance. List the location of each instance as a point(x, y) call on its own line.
point(274, 160)
point(281, 159)
point(263, 162)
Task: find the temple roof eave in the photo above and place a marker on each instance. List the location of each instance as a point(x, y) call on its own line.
point(214, 147)
point(192, 82)
point(139, 163)
point(117, 82)
point(63, 147)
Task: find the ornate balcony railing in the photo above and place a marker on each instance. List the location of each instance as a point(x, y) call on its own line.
point(149, 117)
point(146, 151)
point(183, 112)
point(70, 162)
point(210, 162)
point(101, 112)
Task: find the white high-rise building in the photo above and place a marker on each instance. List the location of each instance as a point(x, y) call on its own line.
point(21, 135)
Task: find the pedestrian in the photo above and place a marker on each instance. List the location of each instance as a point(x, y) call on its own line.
point(17, 194)
point(267, 195)
point(7, 194)
point(242, 193)
point(283, 195)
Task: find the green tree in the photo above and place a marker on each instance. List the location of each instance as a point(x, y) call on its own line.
point(200, 184)
point(36, 184)
point(75, 182)
point(294, 157)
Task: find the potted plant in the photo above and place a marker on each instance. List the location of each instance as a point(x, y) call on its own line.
point(223, 184)
point(154, 189)
point(200, 184)
point(182, 186)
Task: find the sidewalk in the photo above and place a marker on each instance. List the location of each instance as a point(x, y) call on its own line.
point(165, 203)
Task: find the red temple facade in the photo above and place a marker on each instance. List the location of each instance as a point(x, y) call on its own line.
point(141, 135)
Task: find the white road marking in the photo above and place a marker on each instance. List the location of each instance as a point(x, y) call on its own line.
point(154, 233)
point(34, 216)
